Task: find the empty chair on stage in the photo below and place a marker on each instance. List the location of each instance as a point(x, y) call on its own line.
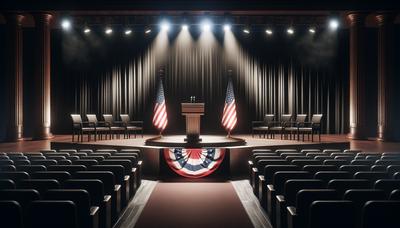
point(131, 126)
point(79, 128)
point(312, 127)
point(262, 127)
point(294, 127)
point(279, 127)
point(116, 127)
point(100, 127)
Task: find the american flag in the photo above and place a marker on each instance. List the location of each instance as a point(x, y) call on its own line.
point(160, 119)
point(229, 118)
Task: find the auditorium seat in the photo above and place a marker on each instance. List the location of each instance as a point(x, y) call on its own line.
point(98, 158)
point(327, 176)
point(392, 169)
point(128, 171)
point(7, 184)
point(354, 168)
point(69, 151)
point(267, 177)
point(280, 151)
point(41, 185)
point(342, 185)
point(314, 154)
point(53, 213)
point(287, 154)
point(57, 157)
point(256, 171)
point(21, 162)
point(298, 216)
point(288, 198)
point(16, 176)
point(8, 168)
point(378, 168)
point(277, 188)
point(102, 153)
point(45, 162)
point(97, 197)
point(10, 214)
point(336, 162)
point(110, 188)
point(31, 168)
point(23, 196)
point(304, 162)
point(322, 157)
point(298, 157)
point(332, 214)
point(395, 195)
point(131, 126)
point(371, 176)
point(330, 151)
point(6, 162)
point(306, 151)
point(363, 162)
point(387, 162)
point(316, 168)
point(120, 179)
point(387, 185)
point(381, 214)
point(86, 162)
point(396, 175)
point(65, 162)
point(87, 216)
point(71, 169)
point(60, 176)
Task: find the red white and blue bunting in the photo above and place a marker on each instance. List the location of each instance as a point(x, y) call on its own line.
point(194, 163)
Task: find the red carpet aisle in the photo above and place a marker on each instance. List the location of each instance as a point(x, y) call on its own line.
point(194, 205)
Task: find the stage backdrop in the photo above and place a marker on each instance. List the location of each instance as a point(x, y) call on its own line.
point(279, 74)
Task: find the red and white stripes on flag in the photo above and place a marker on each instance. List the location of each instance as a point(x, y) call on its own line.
point(229, 118)
point(160, 119)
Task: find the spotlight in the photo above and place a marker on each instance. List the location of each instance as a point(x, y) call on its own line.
point(247, 31)
point(108, 31)
point(87, 30)
point(206, 26)
point(227, 27)
point(165, 26)
point(185, 27)
point(128, 31)
point(147, 31)
point(290, 31)
point(311, 30)
point(333, 24)
point(66, 24)
point(269, 32)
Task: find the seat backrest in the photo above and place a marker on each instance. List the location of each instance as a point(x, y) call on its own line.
point(301, 118)
point(387, 185)
point(53, 213)
point(387, 162)
point(11, 214)
point(316, 118)
point(132, 159)
point(371, 175)
point(285, 118)
point(306, 151)
point(45, 162)
point(6, 162)
point(381, 214)
point(298, 157)
point(395, 195)
point(65, 162)
point(304, 162)
point(287, 154)
point(342, 185)
point(125, 118)
point(21, 162)
point(354, 168)
point(264, 162)
point(106, 177)
point(279, 151)
point(292, 187)
point(124, 162)
point(270, 170)
point(76, 118)
point(392, 169)
point(69, 168)
point(92, 118)
point(60, 176)
point(56, 157)
point(360, 196)
point(108, 118)
point(332, 214)
point(117, 170)
point(317, 168)
point(41, 185)
point(93, 186)
point(85, 162)
point(268, 118)
point(266, 157)
point(314, 154)
point(380, 168)
point(306, 197)
point(327, 176)
point(104, 154)
point(69, 151)
point(80, 197)
point(8, 168)
point(281, 177)
point(23, 196)
point(15, 176)
point(31, 168)
point(330, 151)
point(337, 162)
point(7, 184)
point(362, 162)
point(94, 157)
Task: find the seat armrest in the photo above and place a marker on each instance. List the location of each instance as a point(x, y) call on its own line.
point(117, 187)
point(139, 163)
point(106, 211)
point(280, 198)
point(250, 162)
point(280, 209)
point(270, 187)
point(292, 217)
point(255, 169)
point(94, 217)
point(291, 211)
point(261, 178)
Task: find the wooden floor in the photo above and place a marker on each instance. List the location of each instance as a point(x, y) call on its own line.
point(365, 145)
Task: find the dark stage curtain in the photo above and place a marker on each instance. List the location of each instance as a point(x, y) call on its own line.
point(279, 74)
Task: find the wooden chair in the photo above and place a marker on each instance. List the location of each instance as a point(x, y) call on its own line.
point(295, 126)
point(100, 127)
point(116, 127)
point(80, 127)
point(262, 127)
point(281, 125)
point(312, 127)
point(131, 126)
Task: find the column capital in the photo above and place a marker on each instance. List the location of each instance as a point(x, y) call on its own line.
point(14, 17)
point(383, 18)
point(355, 18)
point(43, 17)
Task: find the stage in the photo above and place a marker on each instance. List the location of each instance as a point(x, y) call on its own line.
point(236, 155)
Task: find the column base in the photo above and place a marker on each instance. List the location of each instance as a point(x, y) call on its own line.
point(14, 134)
point(43, 134)
point(356, 135)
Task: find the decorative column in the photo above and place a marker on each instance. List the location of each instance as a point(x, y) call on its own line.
point(386, 118)
point(41, 115)
point(358, 121)
point(14, 78)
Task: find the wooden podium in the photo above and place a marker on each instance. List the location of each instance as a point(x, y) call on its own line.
point(192, 111)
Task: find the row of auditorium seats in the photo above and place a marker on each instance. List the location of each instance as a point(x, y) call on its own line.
point(67, 188)
point(327, 188)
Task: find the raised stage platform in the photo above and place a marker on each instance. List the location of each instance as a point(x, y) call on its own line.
point(237, 153)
